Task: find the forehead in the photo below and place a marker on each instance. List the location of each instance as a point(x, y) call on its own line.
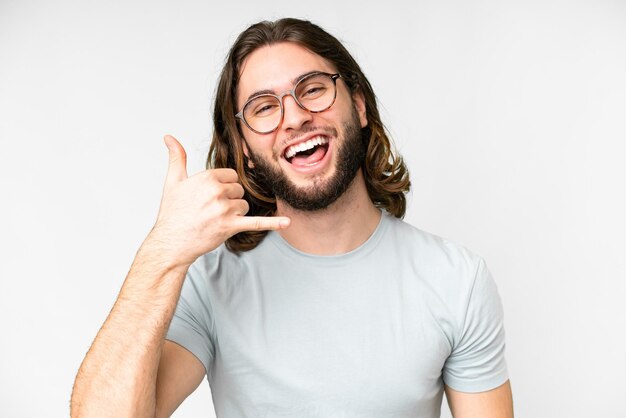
point(274, 67)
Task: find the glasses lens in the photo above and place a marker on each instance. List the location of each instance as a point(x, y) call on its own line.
point(262, 113)
point(316, 92)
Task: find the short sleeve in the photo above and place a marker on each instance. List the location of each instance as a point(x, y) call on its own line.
point(477, 362)
point(192, 324)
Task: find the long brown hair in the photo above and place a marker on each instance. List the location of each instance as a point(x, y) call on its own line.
point(386, 175)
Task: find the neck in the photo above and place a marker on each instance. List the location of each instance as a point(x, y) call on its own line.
point(337, 229)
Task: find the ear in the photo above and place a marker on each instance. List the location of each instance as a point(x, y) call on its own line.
point(246, 152)
point(359, 104)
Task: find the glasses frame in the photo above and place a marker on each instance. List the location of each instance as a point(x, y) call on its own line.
point(291, 93)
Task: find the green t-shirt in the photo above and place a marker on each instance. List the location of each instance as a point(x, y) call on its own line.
point(375, 332)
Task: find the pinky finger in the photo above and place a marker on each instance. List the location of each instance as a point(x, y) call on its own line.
point(261, 223)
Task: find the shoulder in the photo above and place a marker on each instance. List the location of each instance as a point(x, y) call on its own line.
point(446, 272)
point(430, 252)
point(453, 281)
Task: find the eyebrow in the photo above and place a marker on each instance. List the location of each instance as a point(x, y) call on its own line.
point(293, 83)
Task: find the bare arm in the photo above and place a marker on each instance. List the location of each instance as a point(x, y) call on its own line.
point(118, 375)
point(129, 357)
point(180, 373)
point(496, 403)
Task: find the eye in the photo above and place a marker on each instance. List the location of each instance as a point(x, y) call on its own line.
point(315, 90)
point(262, 106)
point(312, 91)
point(264, 109)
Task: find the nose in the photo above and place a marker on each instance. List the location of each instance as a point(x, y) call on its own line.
point(294, 117)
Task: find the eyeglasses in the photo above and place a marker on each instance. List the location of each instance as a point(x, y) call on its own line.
point(315, 93)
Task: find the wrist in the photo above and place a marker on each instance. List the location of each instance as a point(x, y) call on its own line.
point(157, 250)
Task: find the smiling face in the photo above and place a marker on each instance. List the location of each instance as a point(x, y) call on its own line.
point(311, 158)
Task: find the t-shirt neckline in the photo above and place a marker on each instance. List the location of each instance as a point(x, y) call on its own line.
point(361, 251)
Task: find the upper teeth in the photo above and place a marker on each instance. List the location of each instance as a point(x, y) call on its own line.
point(306, 145)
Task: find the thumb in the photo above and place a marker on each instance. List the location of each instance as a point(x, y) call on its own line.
point(177, 168)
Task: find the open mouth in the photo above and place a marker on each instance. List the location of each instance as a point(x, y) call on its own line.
point(308, 152)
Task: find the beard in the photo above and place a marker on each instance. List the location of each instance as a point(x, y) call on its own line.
point(323, 192)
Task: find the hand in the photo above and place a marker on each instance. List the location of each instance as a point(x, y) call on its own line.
point(200, 212)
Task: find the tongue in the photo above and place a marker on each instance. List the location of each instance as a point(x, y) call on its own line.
point(304, 160)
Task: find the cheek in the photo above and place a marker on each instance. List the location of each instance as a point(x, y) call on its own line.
point(352, 112)
point(262, 149)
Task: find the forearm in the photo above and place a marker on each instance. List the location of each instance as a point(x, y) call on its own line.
point(118, 376)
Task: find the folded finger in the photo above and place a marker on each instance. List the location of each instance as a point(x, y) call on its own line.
point(233, 190)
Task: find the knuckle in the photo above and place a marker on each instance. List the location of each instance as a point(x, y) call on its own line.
point(245, 207)
point(218, 193)
point(221, 208)
point(215, 192)
point(211, 195)
point(209, 175)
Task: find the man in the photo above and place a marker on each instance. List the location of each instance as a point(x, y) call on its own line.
point(341, 310)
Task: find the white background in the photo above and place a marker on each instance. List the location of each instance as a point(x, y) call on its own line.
point(511, 116)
